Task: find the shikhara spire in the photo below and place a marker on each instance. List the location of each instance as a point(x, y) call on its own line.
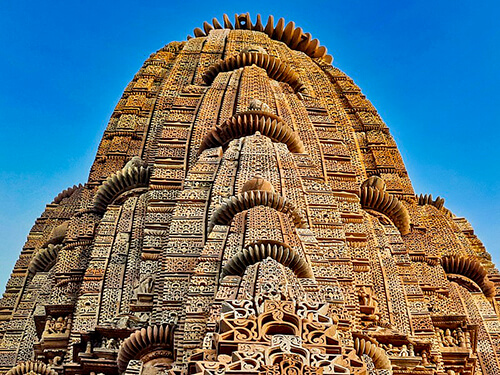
point(249, 213)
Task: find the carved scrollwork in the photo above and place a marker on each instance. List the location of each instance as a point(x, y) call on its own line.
point(244, 201)
point(292, 36)
point(44, 259)
point(248, 123)
point(259, 251)
point(157, 338)
point(66, 193)
point(275, 68)
point(135, 174)
point(427, 199)
point(377, 354)
point(373, 196)
point(31, 368)
point(470, 268)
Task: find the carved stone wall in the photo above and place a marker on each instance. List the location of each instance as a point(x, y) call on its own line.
point(248, 212)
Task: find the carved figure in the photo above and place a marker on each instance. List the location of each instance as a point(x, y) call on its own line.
point(59, 325)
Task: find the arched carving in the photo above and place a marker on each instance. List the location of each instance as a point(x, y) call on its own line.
point(470, 268)
point(373, 196)
point(378, 355)
point(275, 68)
point(244, 201)
point(142, 344)
point(135, 174)
point(31, 368)
point(44, 259)
point(292, 36)
point(66, 193)
point(261, 250)
point(248, 123)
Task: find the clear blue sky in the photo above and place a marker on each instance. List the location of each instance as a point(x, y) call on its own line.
point(429, 67)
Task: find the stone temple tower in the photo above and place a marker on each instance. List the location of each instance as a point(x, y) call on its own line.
point(248, 213)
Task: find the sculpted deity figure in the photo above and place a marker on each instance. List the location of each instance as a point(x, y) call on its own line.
point(366, 297)
point(57, 326)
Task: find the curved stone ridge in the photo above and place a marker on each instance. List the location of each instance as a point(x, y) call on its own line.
point(144, 341)
point(378, 355)
point(470, 268)
point(31, 368)
point(427, 199)
point(248, 123)
point(275, 68)
point(373, 196)
point(44, 259)
point(261, 250)
point(244, 201)
point(66, 193)
point(134, 175)
point(292, 36)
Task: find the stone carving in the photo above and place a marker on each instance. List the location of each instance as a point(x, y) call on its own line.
point(251, 122)
point(258, 105)
point(127, 320)
point(31, 368)
point(261, 250)
point(148, 344)
point(289, 34)
point(427, 199)
point(373, 196)
point(275, 68)
point(134, 175)
point(44, 259)
point(57, 326)
point(377, 354)
point(66, 193)
point(253, 198)
point(471, 268)
point(258, 183)
point(246, 224)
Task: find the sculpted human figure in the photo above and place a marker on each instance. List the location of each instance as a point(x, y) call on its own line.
point(449, 340)
point(55, 326)
point(461, 337)
point(425, 359)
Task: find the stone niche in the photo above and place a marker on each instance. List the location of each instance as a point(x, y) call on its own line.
point(53, 329)
point(458, 343)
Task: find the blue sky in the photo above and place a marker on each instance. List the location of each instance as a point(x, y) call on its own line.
point(429, 67)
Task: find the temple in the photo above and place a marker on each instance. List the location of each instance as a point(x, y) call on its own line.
point(248, 213)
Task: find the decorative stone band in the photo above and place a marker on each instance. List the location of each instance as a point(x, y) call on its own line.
point(248, 123)
point(292, 36)
point(244, 201)
point(470, 268)
point(31, 368)
point(127, 179)
point(144, 342)
point(378, 355)
point(66, 193)
point(261, 250)
point(44, 259)
point(275, 68)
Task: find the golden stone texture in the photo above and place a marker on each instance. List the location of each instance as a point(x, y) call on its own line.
point(248, 213)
